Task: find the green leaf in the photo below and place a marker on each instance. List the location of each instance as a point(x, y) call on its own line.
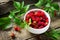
point(26, 25)
point(52, 14)
point(46, 9)
point(6, 26)
point(39, 3)
point(23, 10)
point(17, 5)
point(53, 33)
point(56, 35)
point(13, 12)
point(52, 8)
point(5, 19)
point(48, 5)
point(4, 22)
point(17, 21)
point(56, 6)
point(26, 8)
point(22, 4)
point(48, 1)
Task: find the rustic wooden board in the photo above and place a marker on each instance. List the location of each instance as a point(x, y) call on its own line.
point(25, 35)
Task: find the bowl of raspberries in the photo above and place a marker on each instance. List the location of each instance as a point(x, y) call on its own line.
point(38, 21)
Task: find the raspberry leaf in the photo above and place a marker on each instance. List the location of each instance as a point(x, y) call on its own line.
point(17, 5)
point(26, 8)
point(39, 3)
point(17, 21)
point(22, 4)
point(5, 22)
point(48, 1)
point(54, 34)
point(12, 13)
point(48, 5)
point(56, 6)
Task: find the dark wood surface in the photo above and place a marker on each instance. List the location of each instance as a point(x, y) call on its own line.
point(24, 35)
point(9, 6)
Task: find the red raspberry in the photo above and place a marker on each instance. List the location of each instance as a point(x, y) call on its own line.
point(36, 26)
point(42, 23)
point(45, 17)
point(46, 20)
point(27, 16)
point(41, 18)
point(27, 20)
point(32, 25)
point(34, 22)
point(41, 27)
point(31, 14)
point(17, 28)
point(37, 13)
point(42, 13)
point(39, 23)
point(12, 35)
point(46, 24)
point(33, 18)
point(37, 19)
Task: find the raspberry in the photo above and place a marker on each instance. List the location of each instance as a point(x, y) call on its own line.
point(39, 23)
point(41, 27)
point(28, 16)
point(33, 18)
point(42, 14)
point(31, 14)
point(46, 20)
point(32, 25)
point(42, 23)
point(46, 24)
point(36, 26)
point(37, 19)
point(34, 22)
point(27, 20)
point(41, 18)
point(12, 35)
point(17, 28)
point(37, 13)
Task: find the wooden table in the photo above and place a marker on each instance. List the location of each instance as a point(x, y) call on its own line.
point(25, 35)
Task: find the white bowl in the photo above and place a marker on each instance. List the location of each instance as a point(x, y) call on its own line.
point(42, 30)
